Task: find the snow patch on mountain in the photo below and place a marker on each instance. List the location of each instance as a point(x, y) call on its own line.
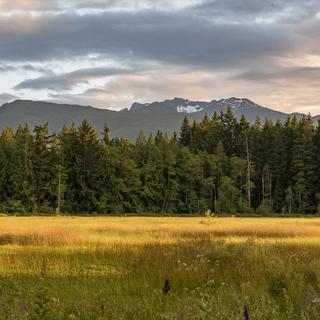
point(189, 109)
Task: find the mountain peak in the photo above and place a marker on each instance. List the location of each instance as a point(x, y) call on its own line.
point(180, 105)
point(175, 105)
point(164, 115)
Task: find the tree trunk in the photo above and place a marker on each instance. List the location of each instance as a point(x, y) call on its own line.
point(248, 173)
point(59, 192)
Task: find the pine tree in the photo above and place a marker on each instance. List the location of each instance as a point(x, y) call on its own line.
point(9, 182)
point(87, 157)
point(25, 188)
point(316, 163)
point(185, 133)
point(42, 166)
point(106, 132)
point(218, 163)
point(229, 138)
point(222, 161)
point(141, 140)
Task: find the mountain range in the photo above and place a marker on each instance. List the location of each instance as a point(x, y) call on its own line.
point(165, 115)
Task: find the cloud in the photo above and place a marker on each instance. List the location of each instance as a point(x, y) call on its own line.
point(180, 38)
point(6, 97)
point(276, 91)
point(5, 68)
point(25, 67)
point(284, 87)
point(264, 10)
point(84, 6)
point(122, 91)
point(199, 49)
point(7, 6)
point(307, 75)
point(67, 81)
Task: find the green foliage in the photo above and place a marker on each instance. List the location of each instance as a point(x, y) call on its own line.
point(208, 213)
point(219, 163)
point(264, 208)
point(289, 198)
point(14, 206)
point(185, 133)
point(228, 196)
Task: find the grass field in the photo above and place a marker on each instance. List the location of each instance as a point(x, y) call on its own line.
point(116, 268)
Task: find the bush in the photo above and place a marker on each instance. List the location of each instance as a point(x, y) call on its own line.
point(14, 206)
point(264, 208)
point(243, 207)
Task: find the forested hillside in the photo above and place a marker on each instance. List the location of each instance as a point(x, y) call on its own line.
point(222, 164)
point(165, 115)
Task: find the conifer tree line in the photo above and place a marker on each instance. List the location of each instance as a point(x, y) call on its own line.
point(221, 163)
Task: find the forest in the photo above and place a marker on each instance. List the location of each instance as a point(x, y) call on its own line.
point(221, 164)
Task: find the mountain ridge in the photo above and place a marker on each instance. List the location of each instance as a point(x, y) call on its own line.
point(166, 115)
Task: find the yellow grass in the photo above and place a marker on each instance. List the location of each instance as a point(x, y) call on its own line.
point(128, 258)
point(105, 230)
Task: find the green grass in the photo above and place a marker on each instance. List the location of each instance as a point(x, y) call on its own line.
point(116, 268)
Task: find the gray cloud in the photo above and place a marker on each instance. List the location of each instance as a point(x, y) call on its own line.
point(5, 68)
point(225, 46)
point(174, 38)
point(6, 97)
point(26, 67)
point(56, 6)
point(146, 86)
point(67, 81)
point(306, 75)
point(275, 9)
point(8, 6)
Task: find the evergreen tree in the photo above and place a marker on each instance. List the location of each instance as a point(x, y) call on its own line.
point(289, 199)
point(218, 163)
point(8, 170)
point(230, 129)
point(42, 167)
point(106, 132)
point(185, 133)
point(88, 175)
point(25, 190)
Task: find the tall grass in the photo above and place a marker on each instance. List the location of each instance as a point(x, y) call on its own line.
point(159, 268)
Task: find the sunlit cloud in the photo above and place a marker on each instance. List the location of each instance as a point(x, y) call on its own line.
point(110, 53)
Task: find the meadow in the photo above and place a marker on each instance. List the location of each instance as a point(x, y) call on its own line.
point(159, 268)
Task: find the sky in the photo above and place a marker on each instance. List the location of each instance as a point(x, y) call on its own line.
point(111, 53)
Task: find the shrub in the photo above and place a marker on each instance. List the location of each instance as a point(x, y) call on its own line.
point(14, 206)
point(264, 208)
